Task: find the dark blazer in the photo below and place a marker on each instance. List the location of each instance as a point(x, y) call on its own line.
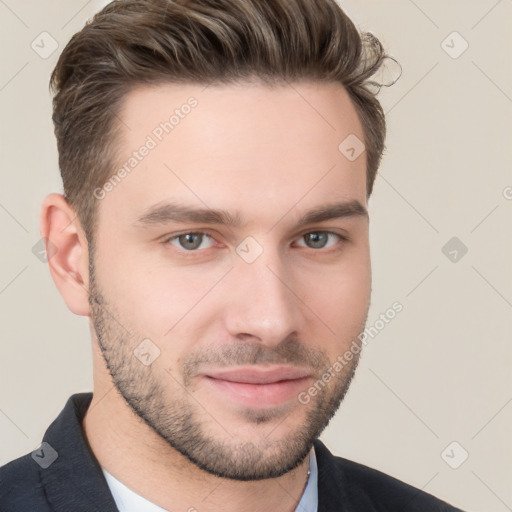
point(66, 477)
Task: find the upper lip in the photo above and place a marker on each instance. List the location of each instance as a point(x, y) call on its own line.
point(252, 375)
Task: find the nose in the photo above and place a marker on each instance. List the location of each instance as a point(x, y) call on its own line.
point(262, 303)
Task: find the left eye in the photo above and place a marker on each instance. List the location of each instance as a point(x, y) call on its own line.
point(319, 239)
point(194, 240)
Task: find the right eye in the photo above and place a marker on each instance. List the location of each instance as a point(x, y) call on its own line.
point(191, 241)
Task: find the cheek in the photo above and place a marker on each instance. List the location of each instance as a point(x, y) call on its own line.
point(144, 301)
point(345, 304)
point(170, 306)
point(341, 297)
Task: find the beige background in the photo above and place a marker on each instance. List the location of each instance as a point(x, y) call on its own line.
point(440, 371)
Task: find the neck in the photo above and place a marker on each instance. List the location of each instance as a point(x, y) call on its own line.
point(139, 458)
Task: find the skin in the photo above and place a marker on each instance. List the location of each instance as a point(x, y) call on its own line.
point(165, 429)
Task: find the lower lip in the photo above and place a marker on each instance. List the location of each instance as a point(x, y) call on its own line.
point(259, 395)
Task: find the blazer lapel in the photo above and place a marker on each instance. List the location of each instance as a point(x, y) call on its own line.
point(74, 480)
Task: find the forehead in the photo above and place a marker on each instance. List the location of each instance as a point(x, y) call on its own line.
point(233, 145)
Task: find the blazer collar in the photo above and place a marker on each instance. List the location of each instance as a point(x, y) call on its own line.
point(74, 481)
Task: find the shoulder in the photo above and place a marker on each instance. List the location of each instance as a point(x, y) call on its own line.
point(20, 486)
point(341, 480)
point(24, 482)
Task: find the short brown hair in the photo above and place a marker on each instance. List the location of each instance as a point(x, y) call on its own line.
point(135, 42)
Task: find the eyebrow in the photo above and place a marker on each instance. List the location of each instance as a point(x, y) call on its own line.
point(162, 214)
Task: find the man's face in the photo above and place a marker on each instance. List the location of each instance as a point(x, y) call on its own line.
point(238, 318)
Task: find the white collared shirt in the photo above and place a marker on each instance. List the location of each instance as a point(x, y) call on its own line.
point(129, 501)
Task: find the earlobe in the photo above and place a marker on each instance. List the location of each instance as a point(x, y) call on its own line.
point(67, 252)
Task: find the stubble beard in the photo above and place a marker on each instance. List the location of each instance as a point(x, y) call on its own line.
point(183, 423)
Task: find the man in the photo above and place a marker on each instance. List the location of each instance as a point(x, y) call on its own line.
point(217, 158)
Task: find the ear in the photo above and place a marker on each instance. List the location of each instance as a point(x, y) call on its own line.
point(67, 252)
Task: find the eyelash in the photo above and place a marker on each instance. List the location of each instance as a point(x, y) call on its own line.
point(195, 252)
